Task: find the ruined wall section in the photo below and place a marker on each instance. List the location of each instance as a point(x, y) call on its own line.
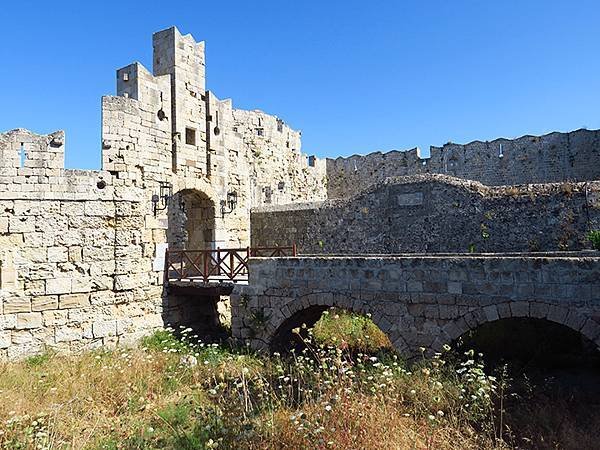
point(279, 172)
point(71, 266)
point(437, 214)
point(551, 158)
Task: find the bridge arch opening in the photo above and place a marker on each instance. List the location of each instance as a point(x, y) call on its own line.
point(548, 379)
point(527, 342)
point(192, 216)
point(331, 326)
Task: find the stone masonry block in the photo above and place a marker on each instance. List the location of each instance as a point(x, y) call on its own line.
point(454, 287)
point(67, 334)
point(414, 286)
point(104, 328)
point(29, 320)
point(8, 321)
point(57, 254)
point(58, 286)
point(74, 301)
point(538, 310)
point(75, 254)
point(100, 208)
point(5, 339)
point(16, 305)
point(519, 309)
point(491, 313)
point(44, 303)
point(591, 329)
point(557, 314)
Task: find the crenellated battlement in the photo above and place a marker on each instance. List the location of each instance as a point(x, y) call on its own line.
point(551, 158)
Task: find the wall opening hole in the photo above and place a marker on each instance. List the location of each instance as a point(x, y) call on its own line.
point(101, 184)
point(190, 136)
point(22, 155)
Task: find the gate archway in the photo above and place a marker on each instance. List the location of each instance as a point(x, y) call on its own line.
point(192, 221)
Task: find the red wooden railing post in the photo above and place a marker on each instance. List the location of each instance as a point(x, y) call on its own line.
point(294, 250)
point(181, 254)
point(248, 255)
point(166, 268)
point(206, 255)
point(218, 271)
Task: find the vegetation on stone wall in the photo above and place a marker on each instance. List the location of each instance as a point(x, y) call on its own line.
point(350, 331)
point(594, 237)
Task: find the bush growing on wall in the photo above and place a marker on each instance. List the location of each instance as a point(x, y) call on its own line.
point(594, 237)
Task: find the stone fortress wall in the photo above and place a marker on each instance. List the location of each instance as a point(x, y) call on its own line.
point(551, 158)
point(82, 252)
point(433, 213)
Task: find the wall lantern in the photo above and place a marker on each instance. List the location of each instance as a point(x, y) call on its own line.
point(161, 200)
point(227, 206)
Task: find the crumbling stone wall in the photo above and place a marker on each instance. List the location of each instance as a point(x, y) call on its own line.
point(437, 214)
point(551, 158)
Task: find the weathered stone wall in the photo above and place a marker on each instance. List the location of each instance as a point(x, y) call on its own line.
point(418, 301)
point(167, 128)
point(82, 252)
point(436, 213)
point(73, 272)
point(551, 158)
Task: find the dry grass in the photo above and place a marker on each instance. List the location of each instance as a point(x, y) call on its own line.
point(169, 394)
point(373, 422)
point(172, 393)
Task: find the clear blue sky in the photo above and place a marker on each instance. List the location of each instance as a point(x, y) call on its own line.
point(355, 76)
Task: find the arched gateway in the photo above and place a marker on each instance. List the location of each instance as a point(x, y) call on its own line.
point(419, 300)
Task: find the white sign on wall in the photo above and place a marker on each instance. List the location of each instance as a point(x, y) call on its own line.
point(158, 265)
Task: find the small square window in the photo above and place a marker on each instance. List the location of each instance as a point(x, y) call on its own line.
point(260, 132)
point(268, 193)
point(190, 136)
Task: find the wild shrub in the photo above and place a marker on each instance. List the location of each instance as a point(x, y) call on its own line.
point(594, 238)
point(349, 330)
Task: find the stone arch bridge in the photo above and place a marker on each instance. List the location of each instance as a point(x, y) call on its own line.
point(418, 300)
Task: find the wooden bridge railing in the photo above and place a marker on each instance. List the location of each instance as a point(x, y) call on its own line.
point(221, 264)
